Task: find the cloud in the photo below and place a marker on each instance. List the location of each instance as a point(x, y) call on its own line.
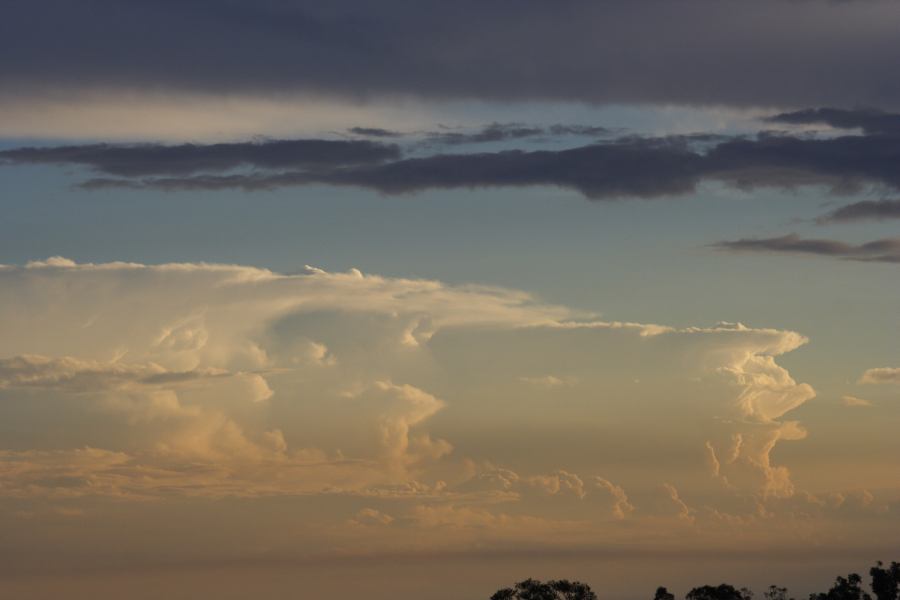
point(561, 481)
point(885, 250)
point(69, 373)
point(596, 130)
point(634, 167)
point(625, 167)
point(881, 375)
point(621, 508)
point(871, 121)
point(853, 401)
point(397, 409)
point(185, 159)
point(766, 393)
point(866, 209)
point(841, 52)
point(376, 132)
point(547, 381)
point(372, 517)
point(192, 379)
point(684, 513)
point(495, 132)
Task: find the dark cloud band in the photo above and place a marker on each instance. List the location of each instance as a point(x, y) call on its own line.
point(875, 210)
point(884, 250)
point(816, 51)
point(184, 159)
point(871, 121)
point(626, 167)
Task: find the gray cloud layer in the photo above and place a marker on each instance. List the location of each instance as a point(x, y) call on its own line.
point(626, 167)
point(885, 250)
point(495, 132)
point(184, 159)
point(871, 121)
point(692, 51)
point(629, 166)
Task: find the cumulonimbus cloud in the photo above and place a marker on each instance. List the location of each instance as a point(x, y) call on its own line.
point(198, 373)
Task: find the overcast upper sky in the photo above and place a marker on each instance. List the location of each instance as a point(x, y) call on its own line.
point(705, 52)
point(419, 299)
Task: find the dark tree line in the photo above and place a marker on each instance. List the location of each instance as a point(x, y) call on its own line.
point(885, 585)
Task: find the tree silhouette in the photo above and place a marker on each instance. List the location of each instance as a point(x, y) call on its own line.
point(776, 593)
point(723, 591)
point(885, 586)
point(885, 581)
point(848, 588)
point(561, 589)
point(663, 594)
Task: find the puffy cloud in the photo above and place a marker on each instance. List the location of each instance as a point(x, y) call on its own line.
point(881, 375)
point(223, 380)
point(397, 409)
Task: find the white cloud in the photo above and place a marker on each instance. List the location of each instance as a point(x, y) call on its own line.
point(218, 380)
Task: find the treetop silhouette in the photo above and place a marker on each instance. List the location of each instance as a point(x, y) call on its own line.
point(885, 584)
point(561, 589)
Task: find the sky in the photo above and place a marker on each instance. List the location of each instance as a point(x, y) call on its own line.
point(420, 299)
